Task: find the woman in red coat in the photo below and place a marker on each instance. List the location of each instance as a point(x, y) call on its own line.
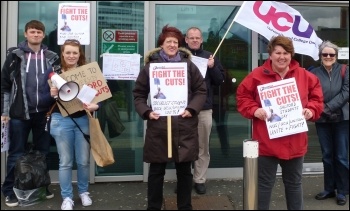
point(288, 151)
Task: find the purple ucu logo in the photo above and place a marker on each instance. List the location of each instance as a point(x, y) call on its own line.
point(273, 17)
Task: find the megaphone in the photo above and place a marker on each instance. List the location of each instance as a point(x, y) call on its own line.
point(67, 91)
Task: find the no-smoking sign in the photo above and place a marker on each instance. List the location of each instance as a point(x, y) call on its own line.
point(108, 36)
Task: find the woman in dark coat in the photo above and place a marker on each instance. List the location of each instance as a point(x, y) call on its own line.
point(185, 146)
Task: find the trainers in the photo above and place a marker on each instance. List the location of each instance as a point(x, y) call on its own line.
point(85, 199)
point(67, 204)
point(49, 195)
point(11, 201)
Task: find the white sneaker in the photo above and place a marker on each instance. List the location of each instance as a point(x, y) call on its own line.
point(85, 199)
point(67, 204)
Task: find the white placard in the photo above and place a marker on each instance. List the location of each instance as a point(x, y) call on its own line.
point(281, 100)
point(201, 63)
point(86, 94)
point(343, 53)
point(168, 88)
point(5, 141)
point(121, 66)
point(73, 22)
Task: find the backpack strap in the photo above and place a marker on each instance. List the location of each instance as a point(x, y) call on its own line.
point(343, 69)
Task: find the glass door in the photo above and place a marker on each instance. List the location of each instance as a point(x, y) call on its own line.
point(229, 127)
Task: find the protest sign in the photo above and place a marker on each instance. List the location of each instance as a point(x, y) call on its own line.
point(5, 141)
point(168, 88)
point(201, 63)
point(281, 100)
point(121, 66)
point(90, 75)
point(73, 22)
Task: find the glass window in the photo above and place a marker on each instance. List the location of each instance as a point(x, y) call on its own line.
point(229, 127)
point(128, 146)
point(332, 25)
point(46, 12)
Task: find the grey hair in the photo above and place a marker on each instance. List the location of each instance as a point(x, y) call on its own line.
point(328, 44)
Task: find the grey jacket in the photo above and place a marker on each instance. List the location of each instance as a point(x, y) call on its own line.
point(24, 86)
point(335, 92)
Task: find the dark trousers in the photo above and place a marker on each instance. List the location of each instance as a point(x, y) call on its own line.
point(291, 176)
point(19, 133)
point(334, 141)
point(155, 185)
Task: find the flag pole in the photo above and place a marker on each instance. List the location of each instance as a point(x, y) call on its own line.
point(228, 30)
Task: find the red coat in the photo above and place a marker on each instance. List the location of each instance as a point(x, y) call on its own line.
point(248, 102)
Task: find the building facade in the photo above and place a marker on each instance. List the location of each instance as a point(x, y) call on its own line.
point(241, 51)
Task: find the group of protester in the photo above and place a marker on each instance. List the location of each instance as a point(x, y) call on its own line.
point(324, 95)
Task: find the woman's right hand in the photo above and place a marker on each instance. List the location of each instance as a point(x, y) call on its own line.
point(53, 91)
point(260, 113)
point(153, 115)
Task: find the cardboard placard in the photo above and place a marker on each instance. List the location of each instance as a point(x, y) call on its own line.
point(90, 75)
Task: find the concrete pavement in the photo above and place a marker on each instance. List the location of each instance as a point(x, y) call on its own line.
point(133, 195)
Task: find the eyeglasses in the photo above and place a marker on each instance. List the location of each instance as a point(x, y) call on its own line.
point(194, 38)
point(72, 41)
point(328, 54)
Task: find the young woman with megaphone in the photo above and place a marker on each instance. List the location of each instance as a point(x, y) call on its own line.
point(69, 139)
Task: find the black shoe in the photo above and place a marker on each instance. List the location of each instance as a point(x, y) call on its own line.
point(49, 195)
point(341, 199)
point(200, 188)
point(325, 195)
point(11, 201)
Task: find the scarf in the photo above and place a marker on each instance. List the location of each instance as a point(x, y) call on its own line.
point(166, 58)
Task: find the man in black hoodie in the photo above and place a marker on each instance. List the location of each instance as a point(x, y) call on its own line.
point(214, 77)
point(25, 100)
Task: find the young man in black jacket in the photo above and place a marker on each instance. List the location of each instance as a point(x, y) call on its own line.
point(25, 100)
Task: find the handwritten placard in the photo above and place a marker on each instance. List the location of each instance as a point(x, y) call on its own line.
point(168, 88)
point(90, 75)
point(281, 100)
point(121, 66)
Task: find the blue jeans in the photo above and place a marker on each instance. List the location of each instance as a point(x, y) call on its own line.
point(71, 143)
point(291, 176)
point(19, 134)
point(334, 141)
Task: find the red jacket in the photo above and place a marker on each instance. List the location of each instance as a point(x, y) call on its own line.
point(248, 101)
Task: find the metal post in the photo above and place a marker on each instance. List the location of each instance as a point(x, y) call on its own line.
point(250, 174)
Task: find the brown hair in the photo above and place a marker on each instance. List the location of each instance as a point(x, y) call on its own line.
point(285, 42)
point(72, 42)
point(34, 24)
point(169, 31)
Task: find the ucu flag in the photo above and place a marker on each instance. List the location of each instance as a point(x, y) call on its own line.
point(270, 18)
point(277, 20)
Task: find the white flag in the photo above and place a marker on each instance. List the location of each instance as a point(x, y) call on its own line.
point(270, 18)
